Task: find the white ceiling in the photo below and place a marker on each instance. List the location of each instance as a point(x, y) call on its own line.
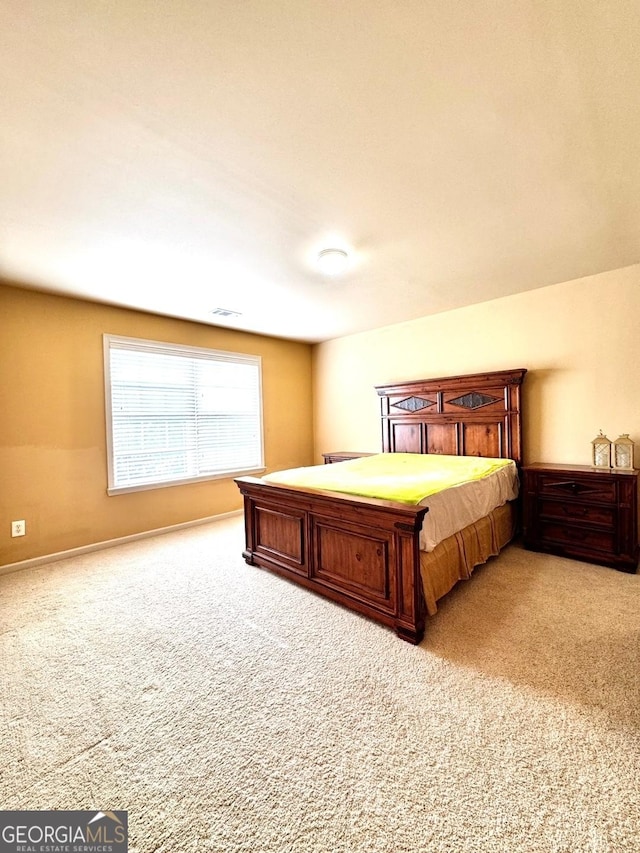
point(184, 156)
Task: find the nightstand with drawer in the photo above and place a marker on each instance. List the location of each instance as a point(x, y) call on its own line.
point(582, 512)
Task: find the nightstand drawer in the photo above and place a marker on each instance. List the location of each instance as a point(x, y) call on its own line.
point(587, 513)
point(587, 489)
point(578, 537)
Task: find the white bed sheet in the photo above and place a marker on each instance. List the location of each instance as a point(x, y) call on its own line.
point(455, 508)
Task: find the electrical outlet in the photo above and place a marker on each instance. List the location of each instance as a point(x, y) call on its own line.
point(18, 528)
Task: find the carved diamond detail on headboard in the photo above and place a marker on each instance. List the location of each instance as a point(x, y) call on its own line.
point(474, 400)
point(413, 404)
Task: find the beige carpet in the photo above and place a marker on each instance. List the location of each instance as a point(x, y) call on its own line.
point(228, 710)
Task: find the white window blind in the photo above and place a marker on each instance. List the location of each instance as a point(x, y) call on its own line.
point(177, 414)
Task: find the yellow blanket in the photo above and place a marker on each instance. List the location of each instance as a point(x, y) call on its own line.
point(404, 477)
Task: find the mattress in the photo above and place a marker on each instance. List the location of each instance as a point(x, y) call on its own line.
point(455, 508)
point(458, 490)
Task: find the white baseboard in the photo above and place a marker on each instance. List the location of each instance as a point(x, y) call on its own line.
point(111, 543)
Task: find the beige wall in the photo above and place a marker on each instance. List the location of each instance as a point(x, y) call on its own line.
point(579, 340)
point(53, 468)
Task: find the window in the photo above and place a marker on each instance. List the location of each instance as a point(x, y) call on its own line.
point(176, 414)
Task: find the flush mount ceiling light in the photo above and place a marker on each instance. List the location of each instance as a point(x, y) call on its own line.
point(332, 261)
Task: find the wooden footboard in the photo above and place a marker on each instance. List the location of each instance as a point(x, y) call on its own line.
point(359, 552)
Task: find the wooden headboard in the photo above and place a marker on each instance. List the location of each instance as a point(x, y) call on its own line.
point(474, 415)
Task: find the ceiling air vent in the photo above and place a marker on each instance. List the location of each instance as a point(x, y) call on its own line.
point(225, 312)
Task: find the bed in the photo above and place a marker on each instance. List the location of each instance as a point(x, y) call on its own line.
point(366, 553)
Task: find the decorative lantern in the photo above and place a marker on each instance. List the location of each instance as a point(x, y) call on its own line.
point(623, 452)
point(601, 452)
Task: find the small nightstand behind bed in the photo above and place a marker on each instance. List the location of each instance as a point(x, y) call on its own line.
point(342, 456)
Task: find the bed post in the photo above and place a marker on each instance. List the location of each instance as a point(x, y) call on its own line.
point(411, 606)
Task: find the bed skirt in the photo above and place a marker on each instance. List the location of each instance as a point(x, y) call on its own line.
point(455, 558)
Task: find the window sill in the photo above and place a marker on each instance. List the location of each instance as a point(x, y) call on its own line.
point(224, 475)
